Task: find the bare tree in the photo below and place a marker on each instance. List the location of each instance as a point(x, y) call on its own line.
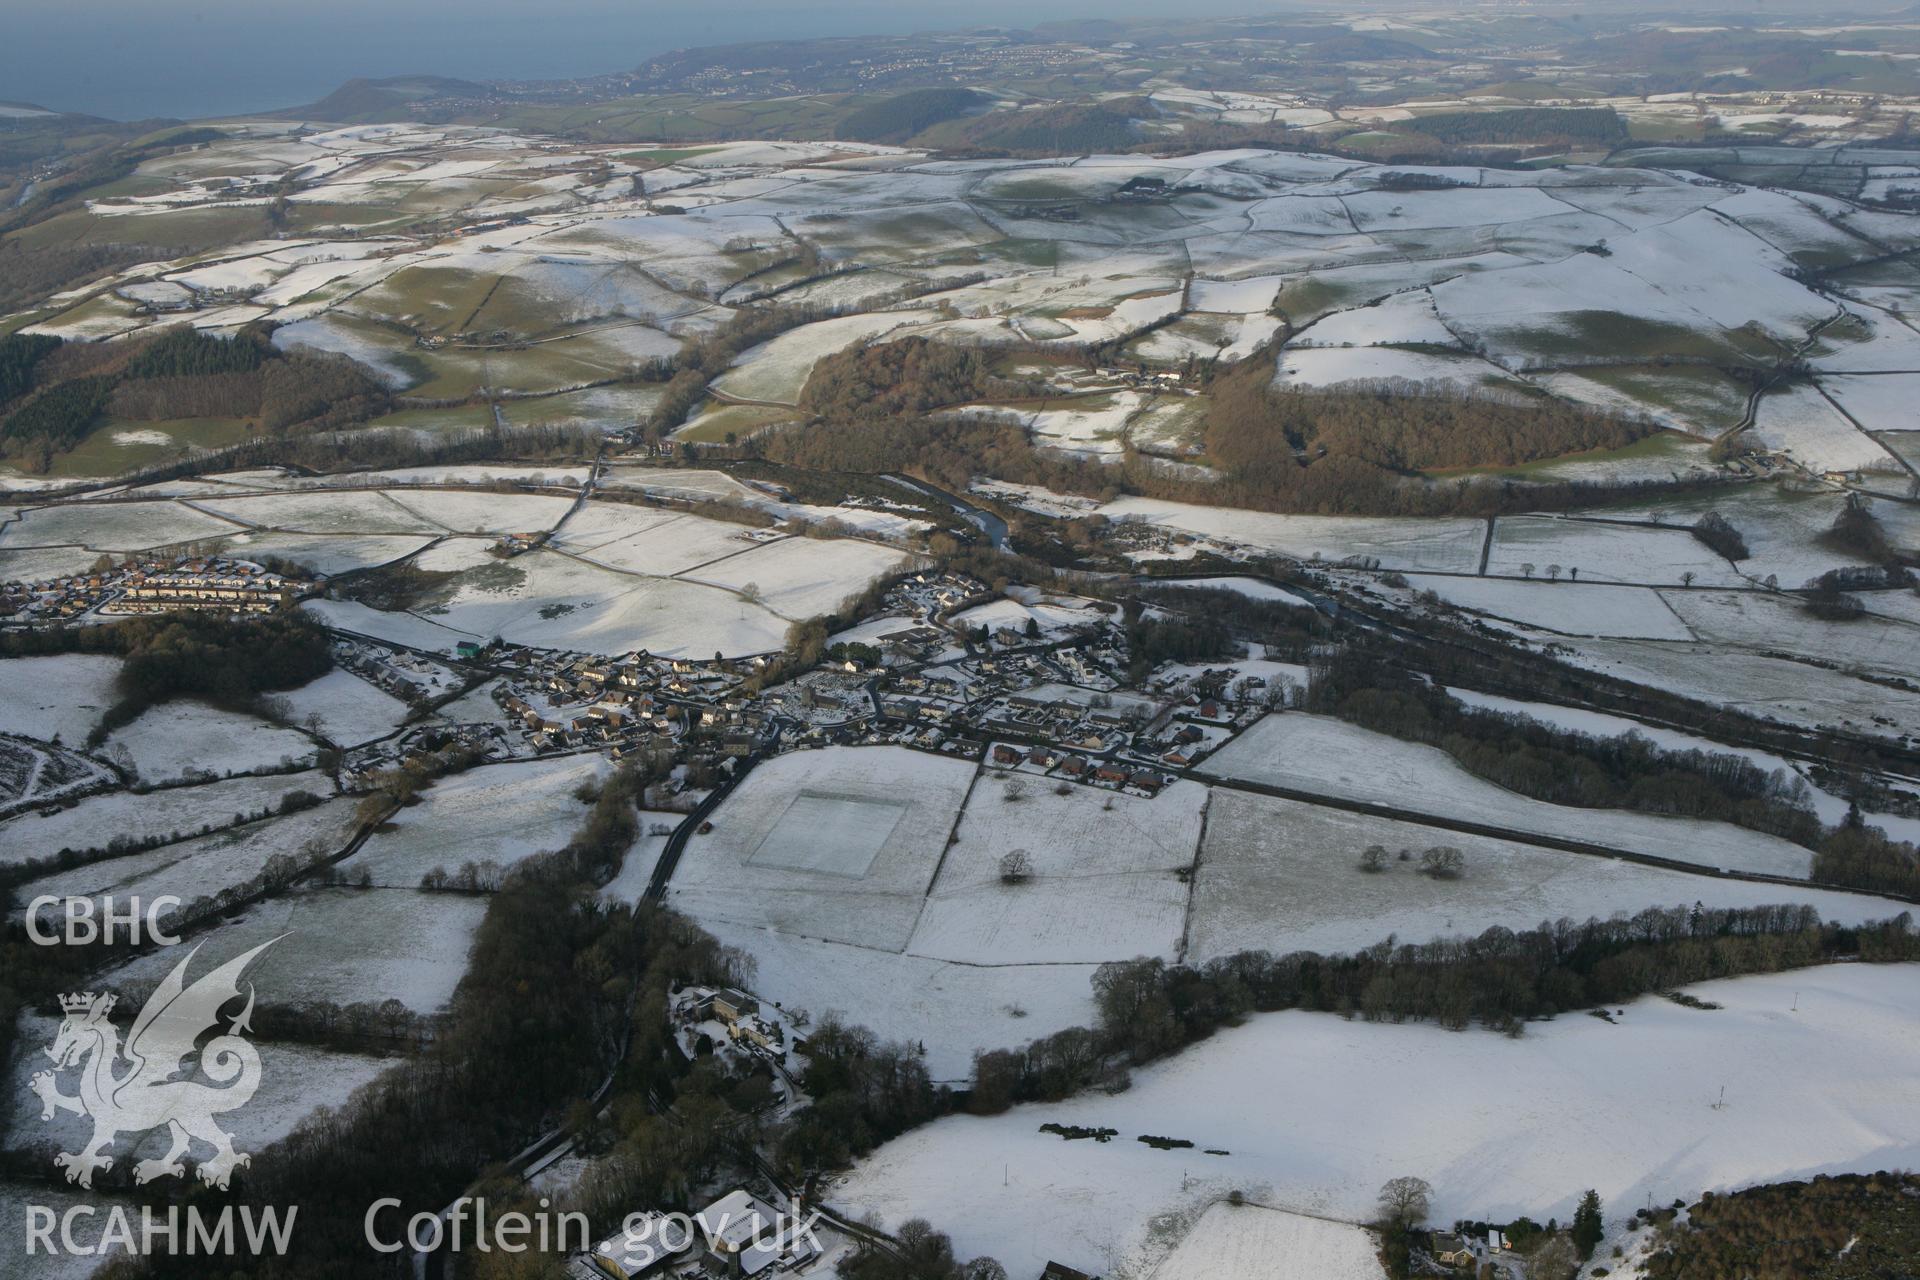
point(1443, 862)
point(1553, 572)
point(1374, 858)
point(1016, 867)
point(1526, 569)
point(1687, 577)
point(1404, 1201)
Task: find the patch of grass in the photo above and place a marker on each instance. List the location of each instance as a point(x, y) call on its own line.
point(712, 425)
point(99, 454)
point(1695, 392)
point(1661, 445)
point(458, 418)
point(1589, 332)
point(1308, 299)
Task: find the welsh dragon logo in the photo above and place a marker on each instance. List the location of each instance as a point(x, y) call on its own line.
point(133, 1089)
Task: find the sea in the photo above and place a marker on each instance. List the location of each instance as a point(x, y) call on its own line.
point(190, 59)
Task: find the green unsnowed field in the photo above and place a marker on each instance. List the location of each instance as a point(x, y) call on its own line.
point(117, 446)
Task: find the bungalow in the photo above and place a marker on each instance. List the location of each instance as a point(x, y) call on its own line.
point(1110, 773)
point(1004, 754)
point(1147, 782)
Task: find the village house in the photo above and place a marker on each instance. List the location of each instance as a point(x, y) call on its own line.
point(1451, 1250)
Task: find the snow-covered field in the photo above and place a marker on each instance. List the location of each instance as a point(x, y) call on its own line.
point(776, 371)
point(803, 577)
point(112, 526)
point(1449, 545)
point(498, 813)
point(1770, 623)
point(649, 540)
point(1280, 875)
point(344, 946)
point(1802, 422)
point(347, 710)
point(400, 628)
point(185, 738)
point(839, 844)
point(1054, 619)
point(1253, 1240)
point(1587, 609)
point(203, 866)
point(1830, 808)
point(1772, 687)
point(1818, 1066)
point(166, 811)
point(1330, 757)
point(493, 513)
point(61, 696)
point(1597, 551)
point(320, 511)
point(295, 1081)
point(955, 1010)
point(547, 599)
point(1107, 879)
point(325, 553)
point(1780, 525)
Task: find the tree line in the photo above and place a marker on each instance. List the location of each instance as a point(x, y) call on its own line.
point(1628, 771)
point(229, 661)
point(19, 353)
point(1563, 766)
point(552, 964)
point(1148, 1009)
point(898, 118)
point(1345, 452)
point(909, 376)
point(1276, 438)
point(182, 373)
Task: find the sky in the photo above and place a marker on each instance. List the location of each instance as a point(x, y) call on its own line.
point(134, 59)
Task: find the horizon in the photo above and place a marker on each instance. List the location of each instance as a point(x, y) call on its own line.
point(124, 62)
